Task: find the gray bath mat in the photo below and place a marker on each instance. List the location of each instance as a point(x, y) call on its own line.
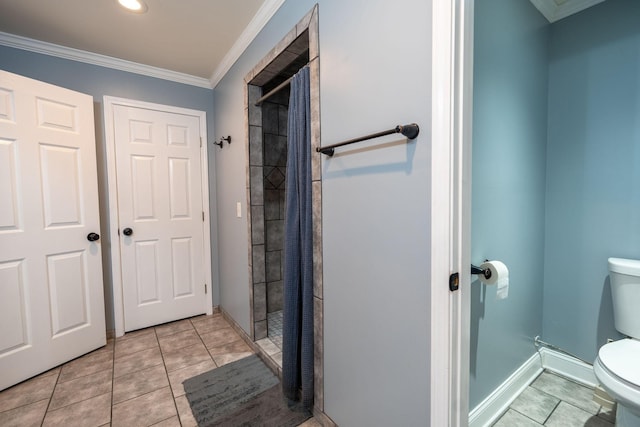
point(241, 393)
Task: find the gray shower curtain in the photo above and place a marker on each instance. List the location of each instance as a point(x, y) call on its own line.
point(297, 343)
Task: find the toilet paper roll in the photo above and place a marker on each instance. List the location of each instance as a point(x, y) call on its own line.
point(499, 276)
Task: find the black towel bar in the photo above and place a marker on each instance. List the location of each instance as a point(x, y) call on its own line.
point(411, 131)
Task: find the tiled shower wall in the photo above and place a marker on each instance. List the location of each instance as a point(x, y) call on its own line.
point(257, 256)
point(274, 135)
point(268, 161)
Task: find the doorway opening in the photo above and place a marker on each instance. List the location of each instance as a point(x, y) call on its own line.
point(267, 99)
point(268, 164)
point(137, 207)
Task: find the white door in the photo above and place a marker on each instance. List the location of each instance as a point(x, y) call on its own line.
point(160, 215)
point(51, 292)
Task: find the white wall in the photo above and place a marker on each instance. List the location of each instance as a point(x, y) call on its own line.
point(375, 73)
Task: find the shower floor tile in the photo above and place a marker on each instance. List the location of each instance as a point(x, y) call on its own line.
point(274, 323)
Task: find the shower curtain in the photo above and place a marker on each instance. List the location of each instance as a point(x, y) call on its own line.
point(297, 343)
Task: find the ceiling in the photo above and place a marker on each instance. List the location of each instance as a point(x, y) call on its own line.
point(198, 38)
point(555, 10)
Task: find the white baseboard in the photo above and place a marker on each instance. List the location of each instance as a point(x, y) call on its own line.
point(497, 402)
point(568, 367)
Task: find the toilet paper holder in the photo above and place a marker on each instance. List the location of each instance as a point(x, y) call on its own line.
point(484, 271)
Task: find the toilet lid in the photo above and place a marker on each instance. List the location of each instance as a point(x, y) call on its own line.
point(622, 358)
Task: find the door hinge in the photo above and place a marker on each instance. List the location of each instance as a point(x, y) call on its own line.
point(454, 282)
point(200, 142)
point(202, 216)
point(205, 288)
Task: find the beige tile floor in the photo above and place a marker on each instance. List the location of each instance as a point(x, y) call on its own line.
point(135, 380)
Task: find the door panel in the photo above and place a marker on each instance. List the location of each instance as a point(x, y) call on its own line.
point(60, 172)
point(147, 283)
point(179, 190)
point(51, 293)
point(142, 178)
point(12, 294)
point(182, 263)
point(67, 291)
point(160, 199)
point(9, 210)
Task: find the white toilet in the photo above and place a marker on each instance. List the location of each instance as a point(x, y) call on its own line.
point(617, 366)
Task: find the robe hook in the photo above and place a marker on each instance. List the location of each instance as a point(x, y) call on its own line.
point(222, 140)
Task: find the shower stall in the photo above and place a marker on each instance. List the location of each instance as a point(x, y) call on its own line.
point(268, 94)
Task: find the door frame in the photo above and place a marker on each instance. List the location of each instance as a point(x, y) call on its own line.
point(452, 113)
point(109, 102)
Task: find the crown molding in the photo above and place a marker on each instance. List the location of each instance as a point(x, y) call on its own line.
point(554, 12)
point(24, 43)
point(264, 14)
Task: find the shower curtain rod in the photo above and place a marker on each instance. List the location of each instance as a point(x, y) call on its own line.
point(277, 88)
point(273, 91)
point(410, 131)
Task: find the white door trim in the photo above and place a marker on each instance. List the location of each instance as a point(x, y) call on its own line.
point(463, 135)
point(109, 103)
point(442, 242)
point(452, 103)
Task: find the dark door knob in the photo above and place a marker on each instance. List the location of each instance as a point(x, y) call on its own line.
point(92, 237)
point(127, 231)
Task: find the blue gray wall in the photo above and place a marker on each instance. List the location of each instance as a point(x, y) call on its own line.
point(99, 81)
point(508, 185)
point(593, 170)
point(556, 166)
point(375, 64)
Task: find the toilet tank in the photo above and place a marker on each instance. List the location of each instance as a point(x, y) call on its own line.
point(625, 290)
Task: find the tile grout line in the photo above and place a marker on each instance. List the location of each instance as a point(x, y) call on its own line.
point(149, 367)
point(50, 398)
point(72, 403)
point(208, 351)
point(46, 411)
point(580, 409)
point(205, 345)
point(554, 410)
point(140, 395)
point(31, 403)
point(166, 372)
point(524, 415)
point(113, 380)
point(212, 360)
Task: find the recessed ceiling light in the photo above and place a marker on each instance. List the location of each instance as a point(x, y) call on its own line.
point(137, 6)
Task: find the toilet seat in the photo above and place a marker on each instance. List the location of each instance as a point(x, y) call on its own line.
point(617, 369)
point(622, 358)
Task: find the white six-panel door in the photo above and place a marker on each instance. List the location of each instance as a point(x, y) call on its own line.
point(160, 215)
point(51, 292)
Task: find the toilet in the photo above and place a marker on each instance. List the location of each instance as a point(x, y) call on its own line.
point(617, 366)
